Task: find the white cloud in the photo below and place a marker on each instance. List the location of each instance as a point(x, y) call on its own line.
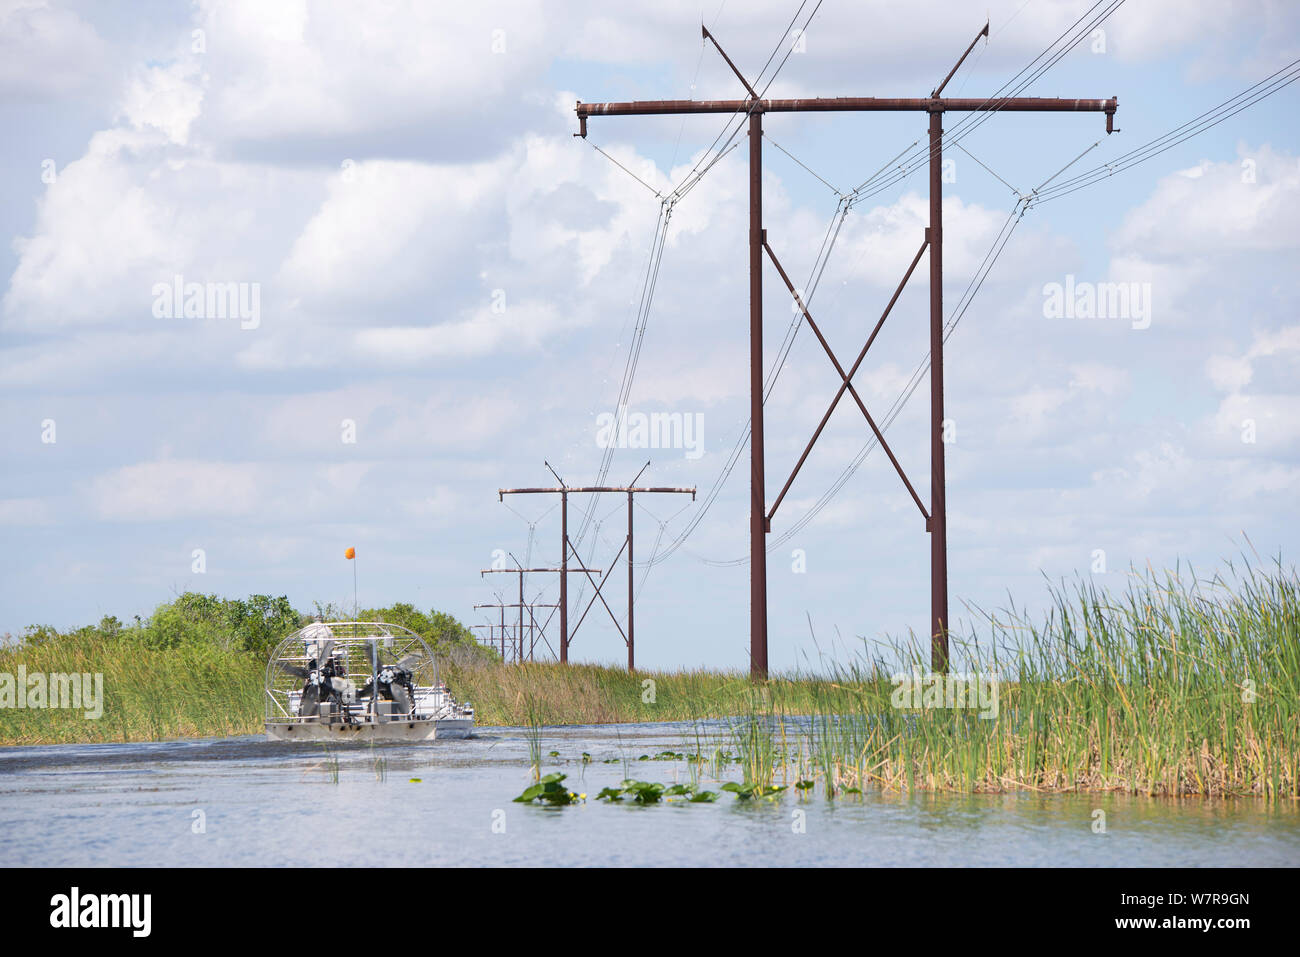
point(167, 98)
point(379, 277)
point(1211, 210)
point(137, 210)
point(165, 490)
point(101, 239)
point(1228, 374)
point(1275, 418)
point(1234, 373)
point(47, 52)
point(385, 226)
point(522, 326)
point(300, 70)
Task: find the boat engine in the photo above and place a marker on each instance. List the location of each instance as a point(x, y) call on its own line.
point(324, 682)
point(395, 685)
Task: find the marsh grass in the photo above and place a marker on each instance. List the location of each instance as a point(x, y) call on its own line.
point(1178, 685)
point(508, 696)
point(148, 694)
point(533, 734)
point(379, 762)
point(329, 764)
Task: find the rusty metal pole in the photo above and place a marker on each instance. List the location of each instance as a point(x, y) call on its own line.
point(631, 658)
point(564, 576)
point(564, 569)
point(938, 509)
point(757, 492)
point(935, 105)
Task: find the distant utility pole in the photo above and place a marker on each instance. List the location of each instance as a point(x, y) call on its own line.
point(521, 572)
point(502, 626)
point(936, 522)
point(494, 635)
point(564, 492)
point(517, 647)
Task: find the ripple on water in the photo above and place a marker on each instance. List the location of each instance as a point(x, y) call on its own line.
point(266, 803)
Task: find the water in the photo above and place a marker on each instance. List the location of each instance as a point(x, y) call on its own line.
point(263, 803)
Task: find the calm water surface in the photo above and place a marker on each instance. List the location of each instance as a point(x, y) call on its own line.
point(264, 803)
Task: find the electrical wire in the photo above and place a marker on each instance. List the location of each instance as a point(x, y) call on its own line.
point(912, 162)
point(667, 203)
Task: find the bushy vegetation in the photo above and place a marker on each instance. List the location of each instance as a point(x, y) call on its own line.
point(253, 625)
point(450, 640)
point(195, 667)
point(1180, 685)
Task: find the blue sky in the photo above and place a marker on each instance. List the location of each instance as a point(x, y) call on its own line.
point(441, 263)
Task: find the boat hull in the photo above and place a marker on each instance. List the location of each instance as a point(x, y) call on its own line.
point(420, 729)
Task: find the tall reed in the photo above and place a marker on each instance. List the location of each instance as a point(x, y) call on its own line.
point(1178, 685)
point(148, 694)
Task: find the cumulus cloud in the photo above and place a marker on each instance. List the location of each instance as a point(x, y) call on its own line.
point(1233, 373)
point(444, 265)
point(159, 491)
point(384, 226)
point(166, 98)
point(323, 74)
point(48, 53)
point(1245, 206)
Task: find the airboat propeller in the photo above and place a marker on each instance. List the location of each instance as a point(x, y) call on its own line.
point(403, 697)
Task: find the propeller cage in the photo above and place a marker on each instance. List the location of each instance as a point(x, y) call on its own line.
point(359, 656)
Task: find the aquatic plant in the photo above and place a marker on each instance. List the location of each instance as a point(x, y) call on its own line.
point(745, 792)
point(533, 735)
point(650, 792)
point(550, 790)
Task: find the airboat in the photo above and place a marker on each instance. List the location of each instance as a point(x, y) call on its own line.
point(359, 681)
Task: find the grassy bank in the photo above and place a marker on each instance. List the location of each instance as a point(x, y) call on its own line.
point(148, 694)
point(551, 694)
point(194, 668)
point(1179, 685)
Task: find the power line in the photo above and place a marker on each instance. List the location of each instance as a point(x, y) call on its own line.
point(658, 195)
point(666, 211)
point(911, 163)
point(1180, 134)
point(974, 120)
point(936, 107)
point(1138, 155)
point(814, 174)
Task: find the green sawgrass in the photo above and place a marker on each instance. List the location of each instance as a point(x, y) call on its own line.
point(1177, 685)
